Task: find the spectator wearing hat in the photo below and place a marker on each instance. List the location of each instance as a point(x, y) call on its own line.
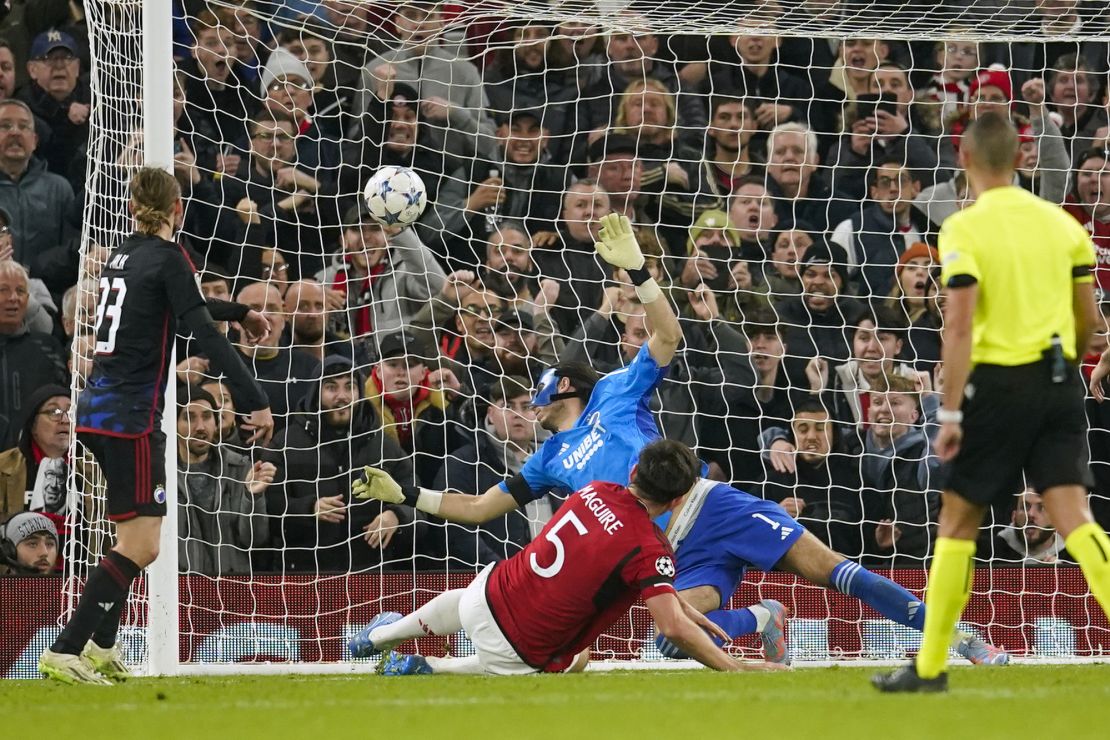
point(915, 297)
point(221, 498)
point(799, 192)
point(617, 165)
point(814, 324)
point(714, 258)
point(885, 227)
point(29, 545)
point(35, 470)
point(288, 91)
point(315, 525)
point(506, 436)
point(386, 274)
point(413, 402)
point(39, 203)
point(1074, 93)
point(30, 359)
point(59, 95)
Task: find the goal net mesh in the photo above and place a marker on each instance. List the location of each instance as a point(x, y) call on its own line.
point(787, 166)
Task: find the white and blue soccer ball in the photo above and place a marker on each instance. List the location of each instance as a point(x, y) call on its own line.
point(396, 196)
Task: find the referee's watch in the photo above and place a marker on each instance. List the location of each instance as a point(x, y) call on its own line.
point(947, 416)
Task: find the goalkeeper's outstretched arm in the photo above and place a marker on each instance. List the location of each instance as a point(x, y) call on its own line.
point(618, 247)
point(454, 507)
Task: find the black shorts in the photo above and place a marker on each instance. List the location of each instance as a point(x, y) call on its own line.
point(1016, 420)
point(134, 470)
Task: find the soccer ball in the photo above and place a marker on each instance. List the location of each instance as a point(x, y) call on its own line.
point(395, 196)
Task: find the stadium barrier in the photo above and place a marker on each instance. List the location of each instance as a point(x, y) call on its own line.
point(1041, 613)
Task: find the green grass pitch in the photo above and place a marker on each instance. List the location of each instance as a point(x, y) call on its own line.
point(1066, 702)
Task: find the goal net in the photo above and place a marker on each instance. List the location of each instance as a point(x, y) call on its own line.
point(787, 166)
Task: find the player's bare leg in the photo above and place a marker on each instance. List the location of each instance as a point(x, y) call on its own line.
point(1086, 541)
point(440, 616)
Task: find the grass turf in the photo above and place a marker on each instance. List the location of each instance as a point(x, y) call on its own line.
point(1018, 701)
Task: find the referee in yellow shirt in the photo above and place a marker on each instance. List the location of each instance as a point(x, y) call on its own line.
point(1020, 309)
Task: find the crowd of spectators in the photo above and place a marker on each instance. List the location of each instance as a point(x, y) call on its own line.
point(787, 192)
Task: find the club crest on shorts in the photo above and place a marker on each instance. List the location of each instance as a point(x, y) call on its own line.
point(665, 566)
point(160, 493)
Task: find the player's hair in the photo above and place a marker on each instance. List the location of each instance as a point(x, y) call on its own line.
point(666, 470)
point(581, 375)
point(992, 142)
point(153, 195)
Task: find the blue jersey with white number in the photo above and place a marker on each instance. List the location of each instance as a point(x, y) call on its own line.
point(606, 440)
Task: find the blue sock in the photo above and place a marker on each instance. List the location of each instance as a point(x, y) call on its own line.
point(881, 594)
point(735, 622)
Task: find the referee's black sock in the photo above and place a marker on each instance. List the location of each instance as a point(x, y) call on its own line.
point(102, 601)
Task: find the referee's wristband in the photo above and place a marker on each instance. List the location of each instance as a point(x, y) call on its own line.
point(948, 416)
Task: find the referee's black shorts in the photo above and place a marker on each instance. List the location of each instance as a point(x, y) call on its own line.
point(134, 471)
point(1016, 420)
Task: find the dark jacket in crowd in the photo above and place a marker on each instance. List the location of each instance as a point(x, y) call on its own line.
point(41, 205)
point(316, 460)
point(28, 361)
point(219, 522)
point(66, 137)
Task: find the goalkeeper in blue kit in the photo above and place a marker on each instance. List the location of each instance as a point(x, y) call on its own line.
point(599, 426)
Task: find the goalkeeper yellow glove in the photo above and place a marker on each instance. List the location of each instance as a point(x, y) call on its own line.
point(377, 484)
point(618, 245)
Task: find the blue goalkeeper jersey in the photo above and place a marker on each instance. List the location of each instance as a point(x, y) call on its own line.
point(606, 440)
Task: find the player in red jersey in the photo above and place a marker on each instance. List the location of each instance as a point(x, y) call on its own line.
point(542, 609)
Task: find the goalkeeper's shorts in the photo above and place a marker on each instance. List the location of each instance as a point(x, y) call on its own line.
point(1016, 420)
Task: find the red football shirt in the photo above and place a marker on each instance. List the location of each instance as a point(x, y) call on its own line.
point(585, 569)
point(1100, 235)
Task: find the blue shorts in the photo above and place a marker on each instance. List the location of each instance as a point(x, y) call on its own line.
point(734, 531)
